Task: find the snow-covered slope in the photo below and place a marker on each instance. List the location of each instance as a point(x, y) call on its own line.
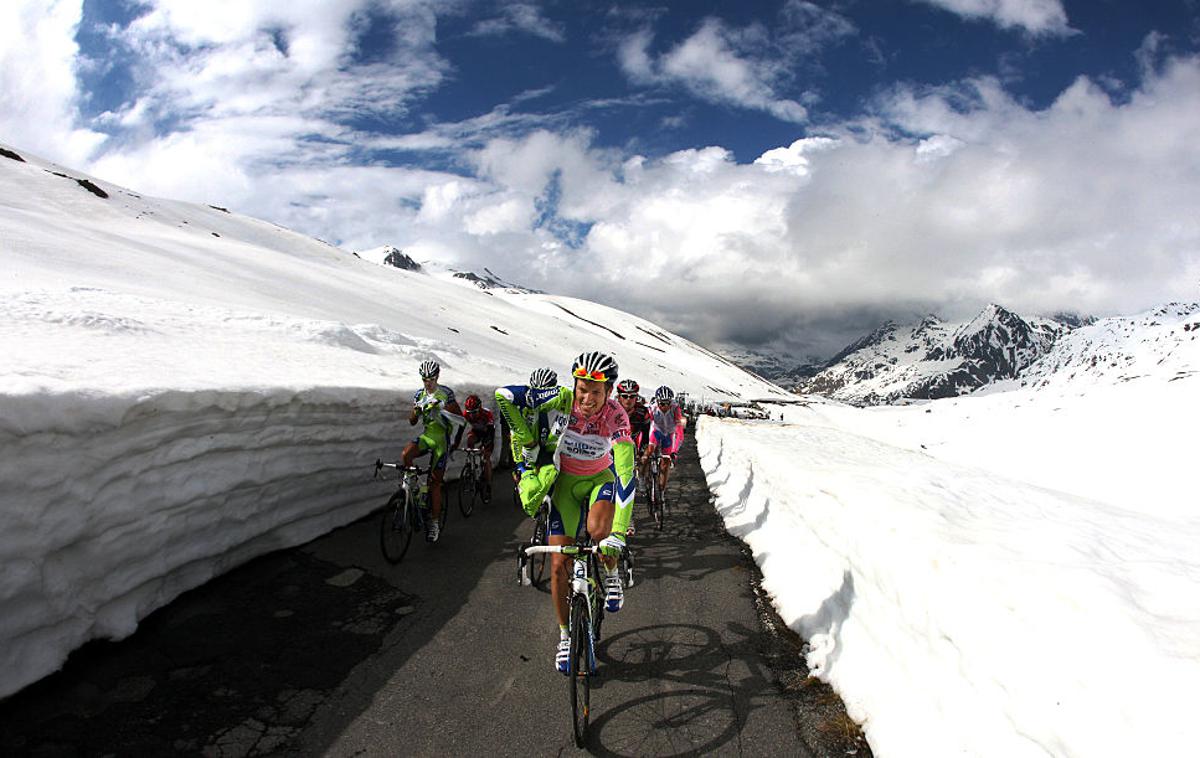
point(184, 388)
point(1007, 573)
point(934, 359)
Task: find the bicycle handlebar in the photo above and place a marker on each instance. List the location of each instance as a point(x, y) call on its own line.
point(380, 465)
point(564, 549)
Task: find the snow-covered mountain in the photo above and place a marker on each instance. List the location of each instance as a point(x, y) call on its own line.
point(184, 388)
point(390, 255)
point(777, 367)
point(935, 359)
point(1119, 349)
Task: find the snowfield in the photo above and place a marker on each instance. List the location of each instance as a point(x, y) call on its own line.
point(1009, 574)
point(184, 388)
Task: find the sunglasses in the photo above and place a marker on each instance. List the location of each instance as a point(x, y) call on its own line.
point(595, 376)
point(627, 395)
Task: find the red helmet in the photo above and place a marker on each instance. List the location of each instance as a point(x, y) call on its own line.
point(627, 387)
point(472, 403)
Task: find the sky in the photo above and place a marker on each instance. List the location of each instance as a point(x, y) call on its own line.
point(778, 176)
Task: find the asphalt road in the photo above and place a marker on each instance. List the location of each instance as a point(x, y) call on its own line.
point(328, 650)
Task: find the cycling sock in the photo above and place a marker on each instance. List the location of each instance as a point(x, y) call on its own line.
point(562, 632)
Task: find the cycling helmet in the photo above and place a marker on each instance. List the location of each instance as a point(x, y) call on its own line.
point(471, 404)
point(430, 369)
point(627, 387)
point(663, 394)
point(596, 366)
point(543, 378)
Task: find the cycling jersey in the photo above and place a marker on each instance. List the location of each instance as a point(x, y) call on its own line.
point(666, 428)
point(481, 427)
point(639, 424)
point(435, 437)
point(580, 448)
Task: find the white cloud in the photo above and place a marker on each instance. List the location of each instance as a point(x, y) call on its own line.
point(1037, 17)
point(746, 67)
point(521, 17)
point(38, 60)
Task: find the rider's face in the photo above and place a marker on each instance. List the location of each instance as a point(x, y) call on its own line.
point(626, 402)
point(590, 395)
point(430, 382)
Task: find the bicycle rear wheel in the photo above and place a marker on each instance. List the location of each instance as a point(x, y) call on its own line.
point(580, 672)
point(395, 529)
point(466, 490)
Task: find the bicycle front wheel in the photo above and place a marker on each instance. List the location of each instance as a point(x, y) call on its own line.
point(466, 490)
point(656, 507)
point(580, 672)
point(395, 529)
point(541, 536)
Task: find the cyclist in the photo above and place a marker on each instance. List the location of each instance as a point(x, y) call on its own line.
point(639, 419)
point(540, 379)
point(481, 425)
point(666, 433)
point(435, 406)
point(585, 459)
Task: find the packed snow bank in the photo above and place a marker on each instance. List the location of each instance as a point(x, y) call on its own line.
point(184, 388)
point(113, 506)
point(959, 611)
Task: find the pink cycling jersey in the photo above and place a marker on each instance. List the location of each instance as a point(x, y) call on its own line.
point(585, 448)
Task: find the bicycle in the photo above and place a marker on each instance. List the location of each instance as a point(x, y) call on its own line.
point(585, 602)
point(471, 483)
point(526, 575)
point(405, 511)
point(653, 494)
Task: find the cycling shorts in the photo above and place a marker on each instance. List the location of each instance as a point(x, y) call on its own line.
point(572, 496)
point(435, 444)
point(662, 441)
point(485, 441)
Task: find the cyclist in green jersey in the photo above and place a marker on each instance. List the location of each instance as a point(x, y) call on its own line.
point(435, 406)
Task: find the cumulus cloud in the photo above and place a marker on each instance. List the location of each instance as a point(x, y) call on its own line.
point(38, 67)
point(746, 67)
point(1037, 17)
point(943, 200)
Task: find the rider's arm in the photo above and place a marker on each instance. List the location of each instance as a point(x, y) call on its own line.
point(509, 401)
point(414, 414)
point(677, 437)
point(623, 464)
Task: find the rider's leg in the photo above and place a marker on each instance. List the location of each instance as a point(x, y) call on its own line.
point(599, 526)
point(411, 451)
point(559, 577)
point(435, 491)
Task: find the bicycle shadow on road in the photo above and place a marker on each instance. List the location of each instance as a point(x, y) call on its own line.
point(709, 684)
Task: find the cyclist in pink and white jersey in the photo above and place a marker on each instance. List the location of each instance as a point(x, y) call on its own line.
point(666, 432)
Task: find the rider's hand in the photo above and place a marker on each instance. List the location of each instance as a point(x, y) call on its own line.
point(612, 545)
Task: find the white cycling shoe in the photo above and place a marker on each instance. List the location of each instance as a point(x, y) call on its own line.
point(614, 593)
point(562, 656)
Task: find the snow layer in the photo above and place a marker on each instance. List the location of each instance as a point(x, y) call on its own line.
point(184, 388)
point(1003, 575)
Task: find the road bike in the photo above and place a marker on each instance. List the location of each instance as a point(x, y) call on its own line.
point(406, 511)
point(654, 496)
point(471, 483)
point(585, 603)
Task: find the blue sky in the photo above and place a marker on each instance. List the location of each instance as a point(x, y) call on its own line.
point(775, 175)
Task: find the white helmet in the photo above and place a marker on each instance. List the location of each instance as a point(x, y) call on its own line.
point(430, 369)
